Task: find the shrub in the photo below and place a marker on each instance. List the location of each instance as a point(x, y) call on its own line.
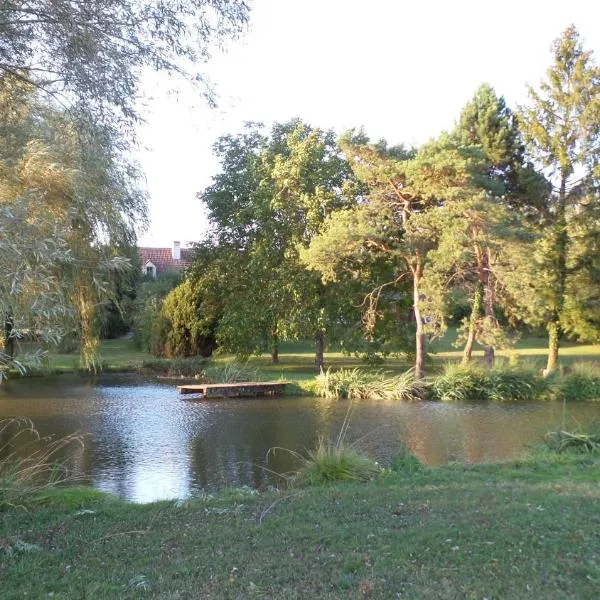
point(343, 383)
point(406, 462)
point(29, 464)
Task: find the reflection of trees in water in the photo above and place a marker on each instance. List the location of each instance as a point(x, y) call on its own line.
point(233, 451)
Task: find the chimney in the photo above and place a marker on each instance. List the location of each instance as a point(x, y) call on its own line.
point(176, 250)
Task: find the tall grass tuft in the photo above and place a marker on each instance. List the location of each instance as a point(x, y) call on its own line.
point(460, 383)
point(30, 464)
point(473, 383)
point(581, 383)
point(356, 384)
point(332, 461)
point(233, 372)
point(578, 441)
point(506, 384)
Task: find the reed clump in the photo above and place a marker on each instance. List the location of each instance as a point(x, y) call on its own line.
point(357, 384)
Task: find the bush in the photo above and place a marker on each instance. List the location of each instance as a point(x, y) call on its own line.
point(406, 462)
point(515, 385)
point(29, 464)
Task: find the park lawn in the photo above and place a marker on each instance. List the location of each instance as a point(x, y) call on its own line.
point(296, 359)
point(526, 529)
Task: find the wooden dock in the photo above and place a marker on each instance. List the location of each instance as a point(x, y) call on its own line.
point(232, 390)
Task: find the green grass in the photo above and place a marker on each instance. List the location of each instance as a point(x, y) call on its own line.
point(297, 364)
point(525, 529)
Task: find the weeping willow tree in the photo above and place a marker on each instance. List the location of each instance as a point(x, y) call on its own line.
point(72, 201)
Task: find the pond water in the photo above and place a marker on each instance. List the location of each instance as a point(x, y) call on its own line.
point(144, 443)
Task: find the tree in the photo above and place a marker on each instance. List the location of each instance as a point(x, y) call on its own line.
point(269, 200)
point(90, 55)
point(396, 221)
point(491, 218)
point(562, 130)
point(82, 184)
point(189, 330)
point(34, 301)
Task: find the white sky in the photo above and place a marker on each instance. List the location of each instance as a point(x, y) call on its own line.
point(400, 68)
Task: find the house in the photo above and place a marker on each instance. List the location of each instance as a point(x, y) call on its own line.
point(158, 261)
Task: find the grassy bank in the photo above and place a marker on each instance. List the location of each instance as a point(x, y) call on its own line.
point(526, 529)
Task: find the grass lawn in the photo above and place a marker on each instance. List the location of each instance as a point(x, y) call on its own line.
point(529, 529)
point(297, 358)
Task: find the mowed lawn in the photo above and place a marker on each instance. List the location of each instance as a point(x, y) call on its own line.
point(296, 359)
point(526, 529)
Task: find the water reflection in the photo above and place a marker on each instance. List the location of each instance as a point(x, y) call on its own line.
point(142, 442)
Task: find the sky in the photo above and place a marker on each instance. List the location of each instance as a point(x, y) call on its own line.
point(402, 70)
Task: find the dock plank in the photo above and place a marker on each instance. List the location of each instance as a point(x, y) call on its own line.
point(229, 390)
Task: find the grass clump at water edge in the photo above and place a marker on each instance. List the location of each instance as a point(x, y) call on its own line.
point(331, 461)
point(357, 384)
point(30, 464)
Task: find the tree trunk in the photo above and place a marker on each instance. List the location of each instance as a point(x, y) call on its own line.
point(553, 343)
point(9, 340)
point(319, 351)
point(488, 305)
point(475, 314)
point(554, 327)
point(420, 341)
point(275, 349)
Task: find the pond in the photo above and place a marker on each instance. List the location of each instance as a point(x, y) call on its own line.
point(143, 442)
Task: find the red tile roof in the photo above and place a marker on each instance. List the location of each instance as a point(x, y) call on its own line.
point(162, 259)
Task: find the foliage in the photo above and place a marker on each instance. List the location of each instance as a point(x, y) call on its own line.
point(187, 329)
point(30, 464)
point(472, 383)
point(405, 462)
point(148, 323)
point(460, 383)
point(562, 129)
point(270, 199)
point(76, 189)
point(331, 462)
point(91, 57)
